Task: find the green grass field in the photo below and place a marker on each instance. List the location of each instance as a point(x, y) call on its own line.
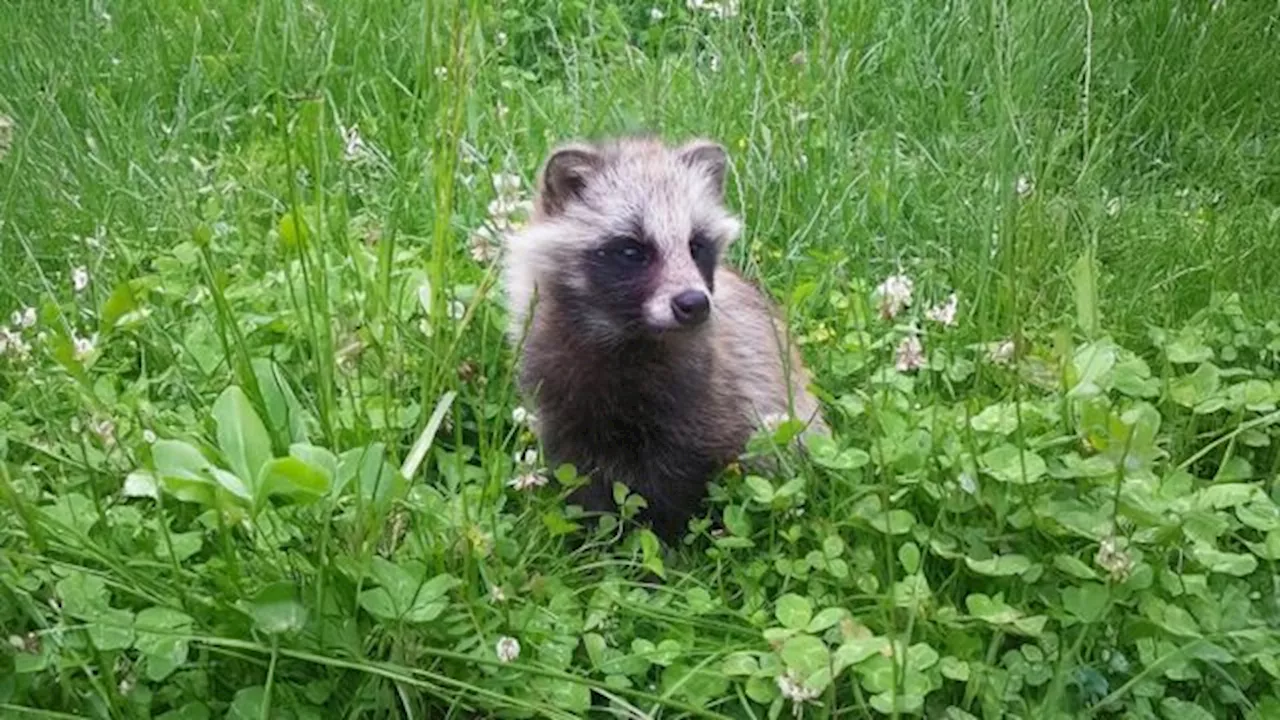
point(261, 454)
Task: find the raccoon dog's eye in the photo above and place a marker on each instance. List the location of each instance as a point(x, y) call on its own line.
point(625, 251)
point(699, 247)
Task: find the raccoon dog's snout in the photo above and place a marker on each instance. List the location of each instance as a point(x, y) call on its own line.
point(691, 307)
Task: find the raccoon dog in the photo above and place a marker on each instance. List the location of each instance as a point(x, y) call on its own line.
point(646, 360)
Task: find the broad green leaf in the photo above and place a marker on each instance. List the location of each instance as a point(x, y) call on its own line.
point(1074, 567)
point(740, 663)
point(857, 650)
point(911, 591)
point(954, 668)
point(194, 710)
point(121, 301)
point(293, 478)
point(1237, 564)
point(761, 489)
point(377, 482)
point(909, 556)
point(891, 703)
point(1000, 565)
point(112, 629)
point(921, 657)
point(894, 522)
point(989, 609)
point(232, 484)
point(1170, 617)
point(1084, 286)
point(74, 511)
point(277, 609)
point(827, 453)
point(1196, 388)
point(697, 686)
point(242, 437)
point(161, 640)
point(1262, 514)
point(1087, 602)
point(1188, 348)
point(284, 412)
point(833, 546)
point(793, 611)
point(1173, 708)
point(184, 471)
point(248, 704)
point(826, 618)
point(403, 597)
point(805, 654)
point(1091, 368)
point(998, 419)
point(317, 457)
point(83, 596)
point(1008, 464)
point(1229, 495)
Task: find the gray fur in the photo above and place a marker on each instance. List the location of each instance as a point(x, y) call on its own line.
point(623, 393)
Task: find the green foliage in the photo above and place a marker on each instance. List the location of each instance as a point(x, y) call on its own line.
point(267, 461)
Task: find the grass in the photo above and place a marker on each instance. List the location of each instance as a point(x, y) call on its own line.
point(259, 465)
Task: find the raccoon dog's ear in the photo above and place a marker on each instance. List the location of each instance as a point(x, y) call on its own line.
point(565, 174)
point(707, 156)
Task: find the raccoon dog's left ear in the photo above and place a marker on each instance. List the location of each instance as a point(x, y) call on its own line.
point(709, 157)
point(564, 175)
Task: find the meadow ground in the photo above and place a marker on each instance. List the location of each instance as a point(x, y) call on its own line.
point(261, 456)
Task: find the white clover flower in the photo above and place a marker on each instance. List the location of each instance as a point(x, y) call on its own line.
point(507, 649)
point(910, 355)
point(79, 278)
point(501, 207)
point(520, 415)
point(6, 135)
point(105, 429)
point(353, 147)
point(84, 346)
point(11, 343)
point(24, 318)
point(148, 437)
point(1024, 186)
point(507, 184)
point(500, 38)
point(794, 689)
point(1113, 206)
point(946, 312)
point(1113, 559)
point(1002, 352)
point(484, 247)
point(527, 481)
point(656, 14)
point(441, 72)
point(894, 294)
point(527, 457)
point(497, 594)
point(721, 10)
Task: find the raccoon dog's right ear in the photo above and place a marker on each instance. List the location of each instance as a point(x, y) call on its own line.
point(565, 174)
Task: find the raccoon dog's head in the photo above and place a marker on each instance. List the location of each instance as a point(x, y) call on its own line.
point(626, 236)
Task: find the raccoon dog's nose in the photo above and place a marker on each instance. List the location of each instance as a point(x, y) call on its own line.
point(691, 307)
